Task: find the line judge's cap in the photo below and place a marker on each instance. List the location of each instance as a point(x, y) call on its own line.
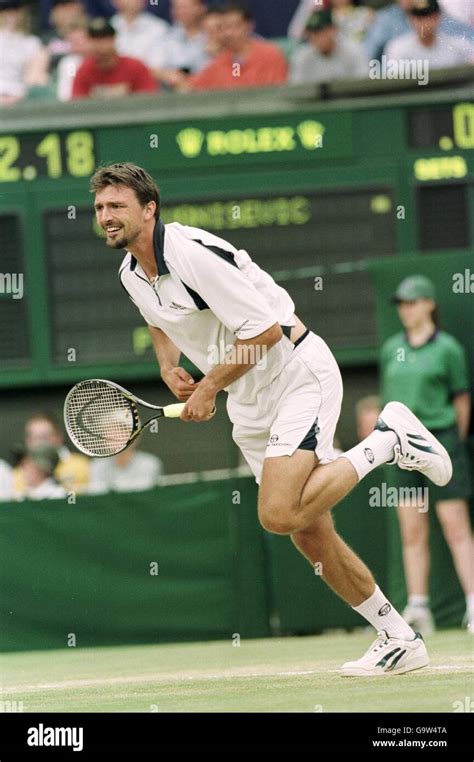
point(414, 287)
point(319, 20)
point(424, 7)
point(100, 27)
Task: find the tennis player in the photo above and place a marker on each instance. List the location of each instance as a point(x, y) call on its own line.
point(199, 295)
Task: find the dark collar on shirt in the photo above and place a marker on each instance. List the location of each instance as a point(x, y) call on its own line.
point(158, 248)
point(431, 338)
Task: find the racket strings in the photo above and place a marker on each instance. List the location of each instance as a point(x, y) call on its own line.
point(100, 420)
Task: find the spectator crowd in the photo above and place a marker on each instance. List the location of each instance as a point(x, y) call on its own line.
point(211, 47)
point(43, 468)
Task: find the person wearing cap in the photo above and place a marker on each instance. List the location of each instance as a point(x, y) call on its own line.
point(328, 55)
point(245, 61)
point(394, 20)
point(425, 368)
point(105, 74)
point(24, 61)
point(425, 42)
point(37, 465)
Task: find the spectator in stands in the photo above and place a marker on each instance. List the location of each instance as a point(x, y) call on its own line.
point(426, 369)
point(78, 42)
point(139, 34)
point(185, 49)
point(23, 59)
point(129, 471)
point(63, 14)
point(212, 27)
point(35, 473)
point(462, 10)
point(367, 412)
point(105, 74)
point(72, 470)
point(394, 21)
point(351, 16)
point(246, 61)
point(426, 43)
point(327, 55)
point(6, 480)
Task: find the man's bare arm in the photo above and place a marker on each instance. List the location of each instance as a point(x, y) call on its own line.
point(462, 406)
point(167, 353)
point(242, 357)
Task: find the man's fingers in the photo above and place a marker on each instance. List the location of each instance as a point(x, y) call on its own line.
point(184, 375)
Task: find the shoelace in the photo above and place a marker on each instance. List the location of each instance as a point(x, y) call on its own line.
point(380, 641)
point(408, 462)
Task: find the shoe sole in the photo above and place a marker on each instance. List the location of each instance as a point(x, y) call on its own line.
point(405, 413)
point(423, 662)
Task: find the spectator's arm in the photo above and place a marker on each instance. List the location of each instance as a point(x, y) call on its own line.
point(297, 67)
point(81, 85)
point(143, 80)
point(378, 34)
point(462, 406)
point(297, 25)
point(37, 69)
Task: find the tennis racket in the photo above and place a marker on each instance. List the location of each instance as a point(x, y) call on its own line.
point(102, 418)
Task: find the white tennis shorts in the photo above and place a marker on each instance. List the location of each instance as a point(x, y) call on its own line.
point(299, 409)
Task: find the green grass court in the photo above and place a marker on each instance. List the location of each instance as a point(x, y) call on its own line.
point(268, 675)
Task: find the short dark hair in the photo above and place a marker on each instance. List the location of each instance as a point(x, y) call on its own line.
point(130, 175)
point(238, 7)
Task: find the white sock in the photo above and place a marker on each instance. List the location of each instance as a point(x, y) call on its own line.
point(374, 450)
point(419, 600)
point(470, 606)
point(381, 615)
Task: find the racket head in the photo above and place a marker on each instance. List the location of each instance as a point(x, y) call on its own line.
point(101, 418)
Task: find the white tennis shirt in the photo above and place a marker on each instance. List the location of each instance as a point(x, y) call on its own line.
point(207, 295)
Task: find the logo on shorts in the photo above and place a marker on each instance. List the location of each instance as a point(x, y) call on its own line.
point(273, 439)
point(386, 608)
point(369, 454)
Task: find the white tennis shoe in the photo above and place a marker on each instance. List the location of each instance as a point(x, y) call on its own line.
point(388, 656)
point(417, 448)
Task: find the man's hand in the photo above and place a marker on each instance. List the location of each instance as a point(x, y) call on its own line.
point(181, 383)
point(200, 406)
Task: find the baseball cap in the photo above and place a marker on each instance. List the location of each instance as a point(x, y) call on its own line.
point(45, 457)
point(424, 7)
point(100, 27)
point(414, 287)
point(319, 20)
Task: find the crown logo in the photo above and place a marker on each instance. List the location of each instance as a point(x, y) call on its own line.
point(310, 134)
point(190, 142)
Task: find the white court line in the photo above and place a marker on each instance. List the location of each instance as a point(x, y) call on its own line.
point(171, 678)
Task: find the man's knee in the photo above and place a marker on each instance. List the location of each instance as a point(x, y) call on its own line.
point(279, 519)
point(318, 538)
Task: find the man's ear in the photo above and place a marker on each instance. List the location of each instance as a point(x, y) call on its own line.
point(150, 210)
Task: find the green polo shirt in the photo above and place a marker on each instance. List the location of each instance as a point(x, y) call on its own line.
point(425, 378)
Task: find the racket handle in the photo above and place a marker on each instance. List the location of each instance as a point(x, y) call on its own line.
point(173, 411)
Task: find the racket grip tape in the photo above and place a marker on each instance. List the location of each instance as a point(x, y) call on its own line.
point(174, 411)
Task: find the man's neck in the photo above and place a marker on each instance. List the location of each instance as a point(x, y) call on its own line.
point(420, 335)
point(427, 40)
point(107, 63)
point(242, 50)
point(144, 252)
point(129, 18)
point(193, 30)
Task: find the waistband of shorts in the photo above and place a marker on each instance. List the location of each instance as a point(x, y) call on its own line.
point(287, 332)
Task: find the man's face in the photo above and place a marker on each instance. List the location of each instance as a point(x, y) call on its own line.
point(425, 26)
point(65, 14)
point(235, 30)
point(120, 215)
point(324, 40)
point(212, 26)
point(102, 48)
point(187, 12)
point(42, 432)
point(129, 6)
point(415, 312)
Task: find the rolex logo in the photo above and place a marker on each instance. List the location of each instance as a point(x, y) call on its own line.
point(190, 141)
point(310, 134)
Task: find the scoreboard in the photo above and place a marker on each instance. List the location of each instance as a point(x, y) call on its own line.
point(313, 191)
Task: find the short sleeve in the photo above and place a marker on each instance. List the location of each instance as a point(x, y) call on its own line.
point(458, 378)
point(233, 299)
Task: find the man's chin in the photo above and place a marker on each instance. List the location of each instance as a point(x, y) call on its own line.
point(118, 243)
